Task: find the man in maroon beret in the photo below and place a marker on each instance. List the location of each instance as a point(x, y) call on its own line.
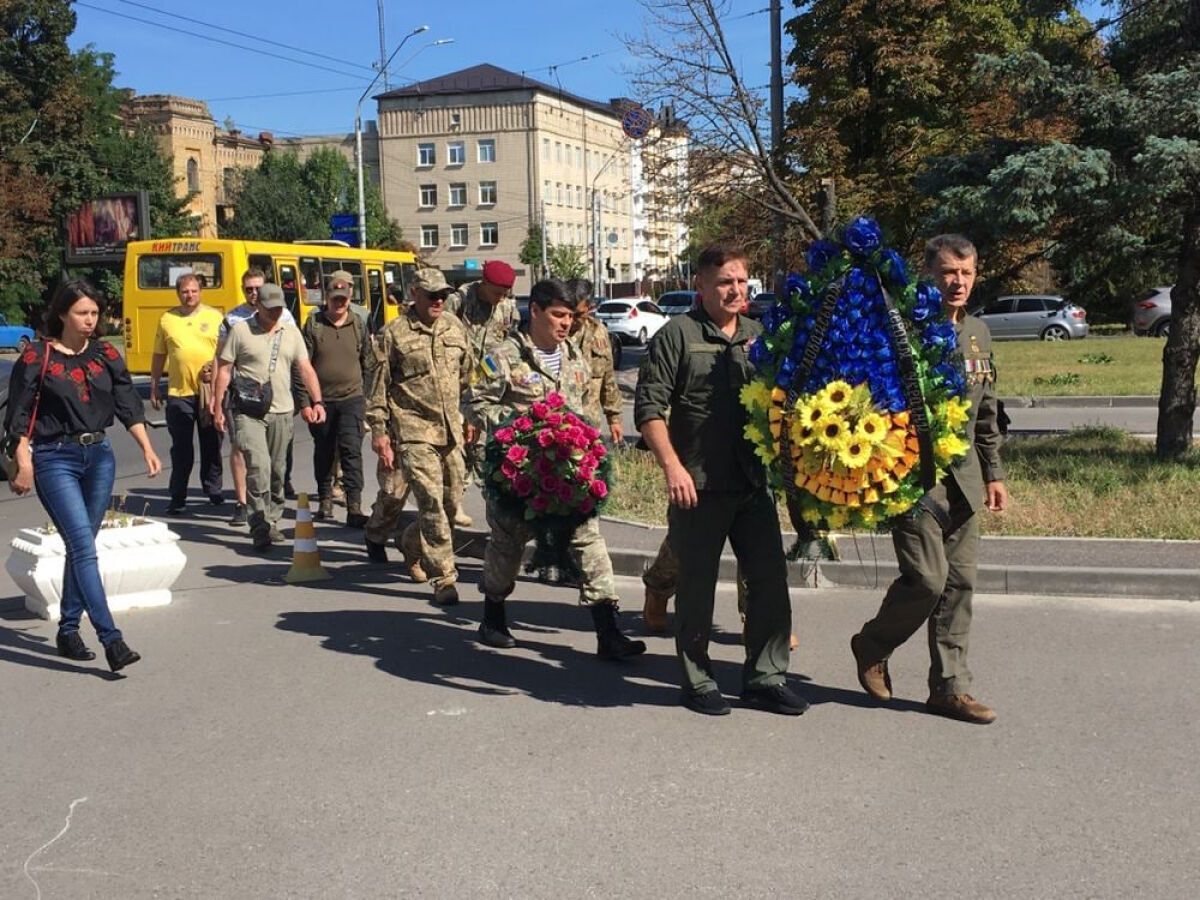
point(488, 310)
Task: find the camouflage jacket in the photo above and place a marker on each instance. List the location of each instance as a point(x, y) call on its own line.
point(416, 387)
point(603, 398)
point(511, 377)
point(486, 325)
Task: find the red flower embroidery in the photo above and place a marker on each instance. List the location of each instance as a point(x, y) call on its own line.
point(94, 367)
point(78, 376)
point(109, 350)
point(85, 396)
point(55, 368)
point(29, 357)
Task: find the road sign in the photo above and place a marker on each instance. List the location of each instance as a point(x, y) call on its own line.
point(471, 264)
point(637, 122)
point(349, 237)
point(343, 222)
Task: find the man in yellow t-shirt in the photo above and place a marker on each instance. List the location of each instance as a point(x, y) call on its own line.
point(185, 343)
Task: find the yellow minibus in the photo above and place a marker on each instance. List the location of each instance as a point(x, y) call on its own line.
point(381, 279)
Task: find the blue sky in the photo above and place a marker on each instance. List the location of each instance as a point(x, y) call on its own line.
point(520, 35)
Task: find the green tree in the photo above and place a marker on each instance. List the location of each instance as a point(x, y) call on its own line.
point(567, 261)
point(284, 199)
point(887, 84)
point(62, 141)
point(531, 248)
point(1116, 206)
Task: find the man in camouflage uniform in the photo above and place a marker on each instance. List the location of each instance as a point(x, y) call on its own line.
point(937, 543)
point(602, 401)
point(487, 309)
point(524, 368)
point(416, 425)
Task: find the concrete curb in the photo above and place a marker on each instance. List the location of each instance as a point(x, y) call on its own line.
point(1079, 402)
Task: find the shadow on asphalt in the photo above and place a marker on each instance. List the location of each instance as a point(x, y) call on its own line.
point(433, 647)
point(24, 649)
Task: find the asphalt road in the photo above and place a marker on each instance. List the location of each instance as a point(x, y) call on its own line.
point(354, 742)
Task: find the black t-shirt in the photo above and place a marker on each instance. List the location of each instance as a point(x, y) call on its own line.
point(82, 393)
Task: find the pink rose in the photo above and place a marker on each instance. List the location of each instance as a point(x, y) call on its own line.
point(599, 451)
point(593, 434)
point(587, 505)
point(545, 438)
point(565, 493)
point(505, 435)
point(571, 419)
point(508, 470)
point(516, 455)
point(554, 419)
point(599, 489)
point(539, 410)
point(543, 466)
point(586, 472)
point(523, 423)
point(523, 485)
point(540, 503)
point(550, 484)
point(555, 400)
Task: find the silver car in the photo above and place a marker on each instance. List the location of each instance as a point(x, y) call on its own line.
point(1152, 313)
point(1038, 316)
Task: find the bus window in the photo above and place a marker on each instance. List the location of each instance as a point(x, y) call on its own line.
point(162, 270)
point(310, 269)
point(375, 311)
point(263, 261)
point(329, 265)
point(291, 289)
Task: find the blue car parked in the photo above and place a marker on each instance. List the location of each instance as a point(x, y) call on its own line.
point(14, 337)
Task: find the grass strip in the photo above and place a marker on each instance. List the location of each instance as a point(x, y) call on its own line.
point(1091, 482)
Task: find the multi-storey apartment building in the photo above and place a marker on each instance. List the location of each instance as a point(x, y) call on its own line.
point(470, 160)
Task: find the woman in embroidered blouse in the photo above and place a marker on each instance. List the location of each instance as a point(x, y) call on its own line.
point(68, 458)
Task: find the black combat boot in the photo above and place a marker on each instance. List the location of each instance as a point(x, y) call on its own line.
point(355, 517)
point(611, 643)
point(119, 655)
point(71, 645)
point(376, 553)
point(494, 629)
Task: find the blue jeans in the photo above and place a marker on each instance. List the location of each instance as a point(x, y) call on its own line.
point(74, 484)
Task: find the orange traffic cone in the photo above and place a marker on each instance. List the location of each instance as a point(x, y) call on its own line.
point(306, 558)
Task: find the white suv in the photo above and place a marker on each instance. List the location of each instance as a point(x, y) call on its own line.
point(633, 320)
point(1152, 313)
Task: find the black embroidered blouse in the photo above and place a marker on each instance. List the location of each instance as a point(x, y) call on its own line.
point(82, 393)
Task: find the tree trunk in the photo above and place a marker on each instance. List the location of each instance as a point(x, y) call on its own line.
point(1177, 401)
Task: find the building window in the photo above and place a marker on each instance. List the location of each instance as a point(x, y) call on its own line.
point(579, 196)
point(458, 235)
point(545, 149)
point(458, 194)
point(489, 234)
point(487, 193)
point(487, 150)
point(558, 151)
point(428, 196)
point(547, 194)
point(579, 157)
point(558, 189)
point(193, 175)
point(456, 153)
point(429, 237)
point(426, 155)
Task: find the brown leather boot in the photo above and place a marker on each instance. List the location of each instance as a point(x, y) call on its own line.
point(654, 612)
point(873, 676)
point(963, 707)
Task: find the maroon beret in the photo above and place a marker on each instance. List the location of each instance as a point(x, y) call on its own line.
point(499, 273)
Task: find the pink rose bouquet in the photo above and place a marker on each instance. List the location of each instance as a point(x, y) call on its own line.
point(548, 466)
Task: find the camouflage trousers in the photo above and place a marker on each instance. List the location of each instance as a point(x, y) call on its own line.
point(506, 546)
point(663, 575)
point(384, 523)
point(394, 489)
point(432, 479)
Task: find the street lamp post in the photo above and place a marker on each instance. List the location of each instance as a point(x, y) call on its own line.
point(358, 150)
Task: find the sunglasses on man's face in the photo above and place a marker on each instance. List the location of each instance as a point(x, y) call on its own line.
point(249, 289)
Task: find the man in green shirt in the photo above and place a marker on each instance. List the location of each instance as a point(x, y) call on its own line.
point(937, 543)
point(696, 367)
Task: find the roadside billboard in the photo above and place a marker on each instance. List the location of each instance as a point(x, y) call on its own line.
point(99, 230)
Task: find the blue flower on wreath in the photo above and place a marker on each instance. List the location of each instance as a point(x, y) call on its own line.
point(928, 302)
point(941, 335)
point(891, 264)
point(862, 236)
point(760, 353)
point(797, 284)
point(774, 317)
point(952, 377)
point(820, 254)
point(787, 371)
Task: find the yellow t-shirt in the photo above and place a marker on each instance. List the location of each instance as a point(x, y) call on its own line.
point(189, 342)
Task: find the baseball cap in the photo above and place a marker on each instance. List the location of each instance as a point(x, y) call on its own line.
point(499, 273)
point(340, 284)
point(432, 281)
point(270, 296)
